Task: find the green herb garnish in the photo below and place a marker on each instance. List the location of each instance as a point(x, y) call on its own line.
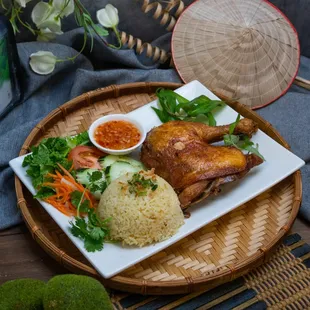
point(139, 185)
point(47, 155)
point(93, 231)
point(242, 142)
point(95, 183)
point(81, 204)
point(175, 107)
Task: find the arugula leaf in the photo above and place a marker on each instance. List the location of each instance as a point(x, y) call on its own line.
point(173, 106)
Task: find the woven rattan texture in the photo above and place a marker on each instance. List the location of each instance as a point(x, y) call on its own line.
point(281, 283)
point(222, 250)
point(245, 50)
point(225, 241)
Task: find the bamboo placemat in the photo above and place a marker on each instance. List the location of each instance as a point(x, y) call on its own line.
point(281, 283)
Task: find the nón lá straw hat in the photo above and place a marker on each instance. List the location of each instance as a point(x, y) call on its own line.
point(246, 50)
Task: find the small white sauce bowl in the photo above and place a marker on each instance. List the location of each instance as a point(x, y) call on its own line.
point(115, 117)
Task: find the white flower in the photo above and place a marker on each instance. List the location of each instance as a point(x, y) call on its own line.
point(45, 35)
point(64, 7)
point(42, 62)
point(22, 3)
point(108, 17)
point(44, 16)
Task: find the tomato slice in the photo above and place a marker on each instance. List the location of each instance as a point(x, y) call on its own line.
point(85, 157)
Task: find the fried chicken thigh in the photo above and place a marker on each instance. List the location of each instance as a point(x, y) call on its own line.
point(181, 153)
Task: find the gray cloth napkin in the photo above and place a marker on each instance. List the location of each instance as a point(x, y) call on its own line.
point(103, 67)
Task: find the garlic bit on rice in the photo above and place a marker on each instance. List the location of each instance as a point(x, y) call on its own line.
point(143, 209)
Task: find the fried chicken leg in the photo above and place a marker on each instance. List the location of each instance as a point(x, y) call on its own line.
point(181, 153)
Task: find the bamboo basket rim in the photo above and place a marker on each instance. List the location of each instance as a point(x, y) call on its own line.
point(188, 284)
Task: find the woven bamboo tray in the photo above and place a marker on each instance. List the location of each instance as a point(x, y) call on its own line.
point(217, 253)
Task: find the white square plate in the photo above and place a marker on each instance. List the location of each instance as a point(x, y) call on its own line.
point(279, 164)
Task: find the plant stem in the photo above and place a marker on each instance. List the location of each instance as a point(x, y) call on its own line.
point(80, 202)
point(2, 5)
point(64, 7)
point(79, 53)
point(16, 11)
point(118, 39)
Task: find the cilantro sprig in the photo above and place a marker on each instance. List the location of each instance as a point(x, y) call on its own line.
point(242, 142)
point(173, 106)
point(93, 231)
point(139, 185)
point(97, 182)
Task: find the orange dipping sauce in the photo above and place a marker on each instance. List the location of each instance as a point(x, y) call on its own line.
point(117, 135)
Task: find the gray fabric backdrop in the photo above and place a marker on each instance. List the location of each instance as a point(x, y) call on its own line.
point(104, 66)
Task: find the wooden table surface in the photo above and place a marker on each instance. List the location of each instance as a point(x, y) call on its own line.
point(22, 257)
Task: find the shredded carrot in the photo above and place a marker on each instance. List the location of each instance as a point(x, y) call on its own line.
point(61, 184)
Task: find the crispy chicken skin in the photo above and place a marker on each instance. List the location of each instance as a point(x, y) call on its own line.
point(181, 153)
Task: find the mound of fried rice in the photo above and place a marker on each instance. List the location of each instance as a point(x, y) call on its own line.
point(141, 220)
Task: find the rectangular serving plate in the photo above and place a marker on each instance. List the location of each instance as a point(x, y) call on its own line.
point(115, 258)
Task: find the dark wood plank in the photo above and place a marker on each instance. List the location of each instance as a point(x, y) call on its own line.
point(22, 257)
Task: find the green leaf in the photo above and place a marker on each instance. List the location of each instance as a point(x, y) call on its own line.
point(173, 106)
point(79, 202)
point(212, 121)
point(101, 31)
point(97, 233)
point(254, 150)
point(201, 118)
point(93, 245)
point(44, 192)
point(80, 139)
point(95, 176)
point(233, 125)
point(161, 115)
point(231, 140)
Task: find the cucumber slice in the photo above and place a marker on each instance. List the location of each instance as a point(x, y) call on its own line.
point(108, 160)
point(133, 162)
point(120, 168)
point(96, 187)
point(83, 176)
point(111, 159)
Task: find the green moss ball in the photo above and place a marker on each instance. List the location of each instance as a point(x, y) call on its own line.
point(73, 292)
point(22, 294)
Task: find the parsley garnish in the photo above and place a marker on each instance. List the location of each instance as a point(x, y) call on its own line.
point(242, 142)
point(175, 107)
point(94, 231)
point(139, 185)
